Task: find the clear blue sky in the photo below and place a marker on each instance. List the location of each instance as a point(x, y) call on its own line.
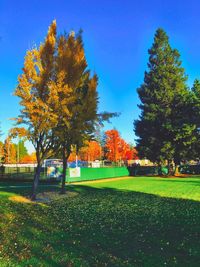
point(117, 35)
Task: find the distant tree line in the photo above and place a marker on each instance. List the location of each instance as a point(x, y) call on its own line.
point(13, 153)
point(109, 146)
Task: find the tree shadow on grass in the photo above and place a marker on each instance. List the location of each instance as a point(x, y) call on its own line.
point(104, 227)
point(25, 189)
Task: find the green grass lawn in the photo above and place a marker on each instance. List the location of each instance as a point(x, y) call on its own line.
point(131, 222)
point(186, 188)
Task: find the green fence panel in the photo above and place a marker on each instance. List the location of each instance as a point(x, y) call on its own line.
point(20, 173)
point(88, 174)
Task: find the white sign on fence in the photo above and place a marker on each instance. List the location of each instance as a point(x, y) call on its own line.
point(75, 172)
point(96, 164)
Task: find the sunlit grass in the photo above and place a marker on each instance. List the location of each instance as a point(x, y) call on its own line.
point(185, 188)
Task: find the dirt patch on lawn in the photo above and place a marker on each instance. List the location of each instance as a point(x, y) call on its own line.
point(43, 198)
point(47, 197)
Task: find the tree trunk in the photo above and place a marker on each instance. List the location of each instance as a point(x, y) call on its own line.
point(160, 169)
point(170, 168)
point(62, 191)
point(176, 171)
point(36, 181)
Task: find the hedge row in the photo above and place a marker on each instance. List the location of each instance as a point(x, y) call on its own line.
point(190, 169)
point(155, 170)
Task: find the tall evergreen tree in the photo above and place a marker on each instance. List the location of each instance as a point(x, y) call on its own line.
point(163, 129)
point(196, 116)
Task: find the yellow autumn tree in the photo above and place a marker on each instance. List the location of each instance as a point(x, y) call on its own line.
point(10, 153)
point(74, 97)
point(34, 94)
point(91, 151)
point(1, 152)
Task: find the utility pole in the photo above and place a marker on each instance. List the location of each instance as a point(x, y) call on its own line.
point(8, 152)
point(76, 157)
point(18, 151)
